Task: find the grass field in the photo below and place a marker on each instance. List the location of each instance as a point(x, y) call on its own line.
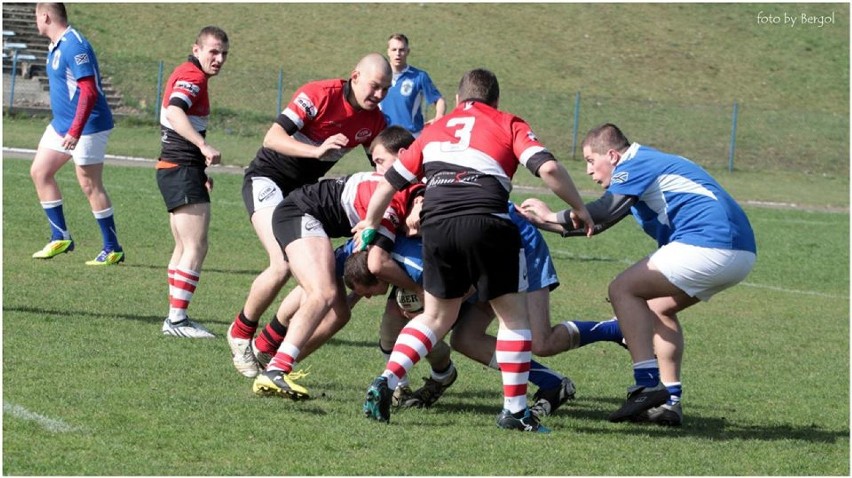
point(669, 74)
point(91, 387)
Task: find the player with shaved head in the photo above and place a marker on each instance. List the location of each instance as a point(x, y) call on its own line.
point(324, 120)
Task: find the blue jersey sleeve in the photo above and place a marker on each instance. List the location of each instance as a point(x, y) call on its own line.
point(408, 253)
point(430, 91)
point(79, 58)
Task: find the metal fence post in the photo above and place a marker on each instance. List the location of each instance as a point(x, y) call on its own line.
point(280, 89)
point(159, 92)
point(12, 81)
point(733, 137)
point(15, 48)
point(576, 125)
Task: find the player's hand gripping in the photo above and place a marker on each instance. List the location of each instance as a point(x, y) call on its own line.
point(332, 143)
point(363, 234)
point(537, 212)
point(580, 218)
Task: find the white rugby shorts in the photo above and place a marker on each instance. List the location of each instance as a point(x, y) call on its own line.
point(701, 271)
point(265, 193)
point(90, 149)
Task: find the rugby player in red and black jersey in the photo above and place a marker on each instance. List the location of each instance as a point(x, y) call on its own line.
point(303, 224)
point(181, 173)
point(468, 158)
point(323, 121)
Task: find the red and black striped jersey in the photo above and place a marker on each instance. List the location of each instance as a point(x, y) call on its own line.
point(341, 203)
point(317, 111)
point(187, 89)
point(468, 158)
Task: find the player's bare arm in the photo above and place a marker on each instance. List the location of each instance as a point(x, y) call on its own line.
point(364, 232)
point(440, 110)
point(537, 212)
point(606, 211)
point(382, 265)
point(556, 177)
point(278, 140)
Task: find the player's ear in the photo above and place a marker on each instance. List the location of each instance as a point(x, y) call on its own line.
point(614, 156)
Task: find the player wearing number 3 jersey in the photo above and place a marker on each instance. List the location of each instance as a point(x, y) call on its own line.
point(468, 158)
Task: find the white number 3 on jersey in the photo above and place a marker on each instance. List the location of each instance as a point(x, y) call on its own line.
point(464, 126)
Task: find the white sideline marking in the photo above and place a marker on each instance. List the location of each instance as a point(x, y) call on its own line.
point(133, 159)
point(793, 291)
point(49, 424)
point(108, 156)
point(567, 255)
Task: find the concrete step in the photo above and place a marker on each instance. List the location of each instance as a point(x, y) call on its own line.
point(20, 18)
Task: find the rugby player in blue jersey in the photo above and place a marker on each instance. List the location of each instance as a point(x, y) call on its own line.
point(410, 89)
point(81, 125)
point(706, 245)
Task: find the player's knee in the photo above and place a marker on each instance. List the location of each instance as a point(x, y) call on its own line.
point(617, 289)
point(87, 187)
point(197, 248)
point(342, 315)
point(322, 297)
point(39, 174)
point(459, 342)
point(279, 269)
point(541, 348)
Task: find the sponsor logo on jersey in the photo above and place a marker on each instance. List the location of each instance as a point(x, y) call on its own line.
point(81, 59)
point(406, 88)
point(449, 177)
point(306, 105)
point(192, 88)
point(363, 135)
point(619, 178)
point(56, 57)
point(531, 136)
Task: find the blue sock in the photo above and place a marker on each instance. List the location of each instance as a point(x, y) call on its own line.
point(675, 392)
point(543, 377)
point(107, 224)
point(591, 332)
point(647, 373)
point(56, 218)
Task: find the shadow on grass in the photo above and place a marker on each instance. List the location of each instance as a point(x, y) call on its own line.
point(351, 343)
point(715, 428)
point(160, 267)
point(101, 315)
